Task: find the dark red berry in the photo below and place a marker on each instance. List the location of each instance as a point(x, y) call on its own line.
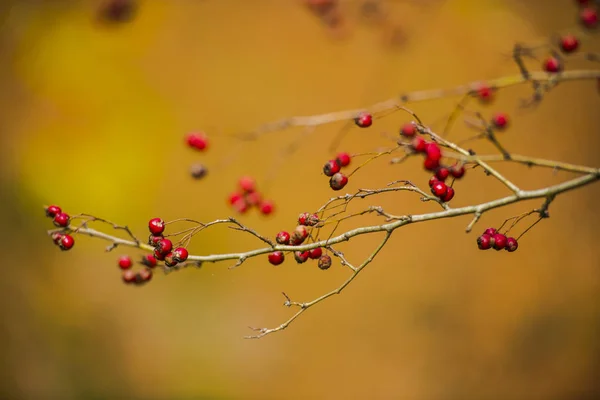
point(419, 144)
point(338, 181)
point(118, 11)
point(484, 242)
point(299, 235)
point(449, 195)
point(442, 173)
point(343, 159)
point(302, 218)
point(312, 220)
point(511, 244)
point(56, 237)
point(247, 184)
point(198, 141)
point(331, 167)
point(457, 171)
point(158, 255)
point(364, 120)
point(408, 130)
point(434, 152)
point(180, 254)
point(569, 43)
point(432, 181)
point(61, 219)
point(499, 241)
point(589, 17)
point(164, 246)
point(198, 171)
point(170, 260)
point(51, 211)
point(149, 261)
point(430, 164)
point(276, 257)
point(439, 189)
point(267, 207)
point(128, 276)
point(301, 256)
point(66, 242)
point(145, 275)
point(490, 231)
point(154, 239)
point(156, 226)
point(283, 237)
point(315, 254)
point(500, 120)
point(324, 262)
point(552, 65)
point(235, 197)
point(125, 262)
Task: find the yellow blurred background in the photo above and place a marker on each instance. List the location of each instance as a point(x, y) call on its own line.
point(93, 117)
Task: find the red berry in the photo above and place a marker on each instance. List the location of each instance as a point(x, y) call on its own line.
point(364, 120)
point(247, 184)
point(315, 254)
point(170, 260)
point(156, 226)
point(154, 239)
point(312, 220)
point(197, 141)
point(158, 255)
point(301, 256)
point(433, 180)
point(552, 64)
point(235, 197)
point(276, 257)
point(457, 171)
point(589, 17)
point(51, 211)
point(299, 235)
point(500, 120)
point(511, 244)
point(128, 276)
point(302, 218)
point(61, 219)
point(324, 262)
point(116, 11)
point(283, 237)
point(253, 198)
point(180, 254)
point(499, 241)
point(66, 242)
point(338, 181)
point(198, 171)
point(408, 130)
point(149, 261)
point(331, 168)
point(430, 164)
point(343, 159)
point(144, 275)
point(241, 206)
point(439, 189)
point(490, 231)
point(56, 237)
point(569, 43)
point(485, 93)
point(267, 207)
point(419, 144)
point(484, 242)
point(434, 152)
point(164, 246)
point(442, 173)
point(449, 195)
point(125, 262)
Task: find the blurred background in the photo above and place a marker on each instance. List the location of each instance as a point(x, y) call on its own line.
point(94, 108)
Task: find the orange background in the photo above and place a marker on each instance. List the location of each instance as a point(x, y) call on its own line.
point(93, 118)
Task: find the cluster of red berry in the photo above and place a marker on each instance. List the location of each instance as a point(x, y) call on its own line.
point(337, 180)
point(296, 238)
point(248, 196)
point(569, 43)
point(140, 277)
point(492, 238)
point(61, 220)
point(163, 247)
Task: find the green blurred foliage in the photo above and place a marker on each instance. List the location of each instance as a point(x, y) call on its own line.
point(94, 117)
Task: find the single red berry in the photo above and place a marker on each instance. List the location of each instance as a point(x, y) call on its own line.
point(253, 198)
point(364, 120)
point(324, 262)
point(156, 226)
point(276, 257)
point(449, 195)
point(552, 65)
point(283, 237)
point(439, 189)
point(247, 184)
point(499, 241)
point(408, 130)
point(338, 181)
point(419, 144)
point(128, 276)
point(485, 94)
point(180, 254)
point(315, 254)
point(235, 197)
point(511, 244)
point(267, 207)
point(430, 164)
point(198, 171)
point(61, 219)
point(457, 171)
point(302, 218)
point(144, 275)
point(569, 43)
point(589, 17)
point(490, 231)
point(241, 206)
point(433, 151)
point(331, 168)
point(301, 256)
point(66, 242)
point(56, 237)
point(312, 220)
point(158, 255)
point(433, 180)
point(299, 235)
point(170, 260)
point(125, 262)
point(442, 173)
point(484, 242)
point(118, 11)
point(149, 261)
point(583, 2)
point(197, 141)
point(343, 159)
point(164, 246)
point(500, 120)
point(51, 211)
point(154, 239)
